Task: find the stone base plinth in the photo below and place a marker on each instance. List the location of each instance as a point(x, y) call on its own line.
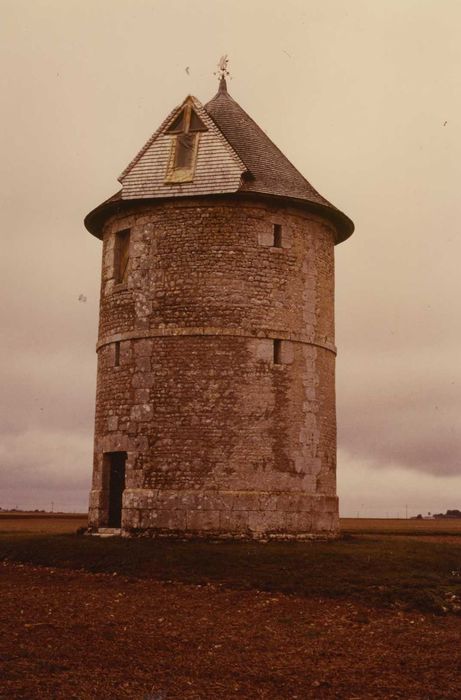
point(225, 514)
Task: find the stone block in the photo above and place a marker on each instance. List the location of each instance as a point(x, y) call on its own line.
point(169, 500)
point(131, 518)
point(188, 500)
point(235, 521)
point(142, 412)
point(143, 348)
point(143, 380)
point(141, 396)
point(164, 519)
point(323, 521)
point(203, 520)
point(143, 364)
point(267, 521)
point(96, 499)
point(209, 500)
point(140, 443)
point(249, 500)
point(94, 517)
point(293, 502)
point(287, 352)
point(268, 501)
point(263, 349)
point(266, 237)
point(115, 442)
point(299, 522)
point(112, 423)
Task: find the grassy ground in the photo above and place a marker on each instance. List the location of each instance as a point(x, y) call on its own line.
point(374, 569)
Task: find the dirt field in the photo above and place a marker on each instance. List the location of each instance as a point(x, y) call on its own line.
point(73, 635)
point(194, 621)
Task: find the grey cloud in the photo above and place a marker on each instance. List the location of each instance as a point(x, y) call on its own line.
point(48, 391)
point(38, 466)
point(392, 492)
point(395, 411)
point(35, 457)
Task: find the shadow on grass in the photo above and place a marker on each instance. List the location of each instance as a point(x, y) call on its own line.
point(380, 571)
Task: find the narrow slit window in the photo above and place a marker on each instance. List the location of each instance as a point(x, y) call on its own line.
point(277, 236)
point(122, 255)
point(277, 352)
point(117, 354)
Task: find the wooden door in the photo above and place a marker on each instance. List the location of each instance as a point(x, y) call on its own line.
point(116, 487)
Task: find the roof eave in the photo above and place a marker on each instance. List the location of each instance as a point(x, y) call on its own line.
point(97, 217)
point(344, 226)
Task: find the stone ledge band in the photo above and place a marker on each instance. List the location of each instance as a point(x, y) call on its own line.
point(198, 331)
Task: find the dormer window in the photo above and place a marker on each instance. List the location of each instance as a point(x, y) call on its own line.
point(185, 130)
point(184, 151)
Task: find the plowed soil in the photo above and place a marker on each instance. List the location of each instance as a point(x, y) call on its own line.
point(74, 635)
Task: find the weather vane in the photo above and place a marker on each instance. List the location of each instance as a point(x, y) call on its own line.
point(222, 71)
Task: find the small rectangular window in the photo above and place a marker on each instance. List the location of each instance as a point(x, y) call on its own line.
point(121, 255)
point(117, 354)
point(277, 352)
point(277, 236)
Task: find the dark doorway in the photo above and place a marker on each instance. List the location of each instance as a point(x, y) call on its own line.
point(116, 478)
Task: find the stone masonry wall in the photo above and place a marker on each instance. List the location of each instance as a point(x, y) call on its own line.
point(221, 440)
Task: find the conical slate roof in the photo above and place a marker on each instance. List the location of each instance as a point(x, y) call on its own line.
point(232, 155)
point(272, 172)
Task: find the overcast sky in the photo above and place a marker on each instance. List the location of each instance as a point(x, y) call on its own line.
point(362, 96)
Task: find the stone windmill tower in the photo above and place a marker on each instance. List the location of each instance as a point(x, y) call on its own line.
point(215, 407)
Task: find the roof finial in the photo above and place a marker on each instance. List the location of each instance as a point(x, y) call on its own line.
point(222, 72)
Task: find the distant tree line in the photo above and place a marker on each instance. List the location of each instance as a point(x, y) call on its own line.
point(21, 510)
point(454, 513)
